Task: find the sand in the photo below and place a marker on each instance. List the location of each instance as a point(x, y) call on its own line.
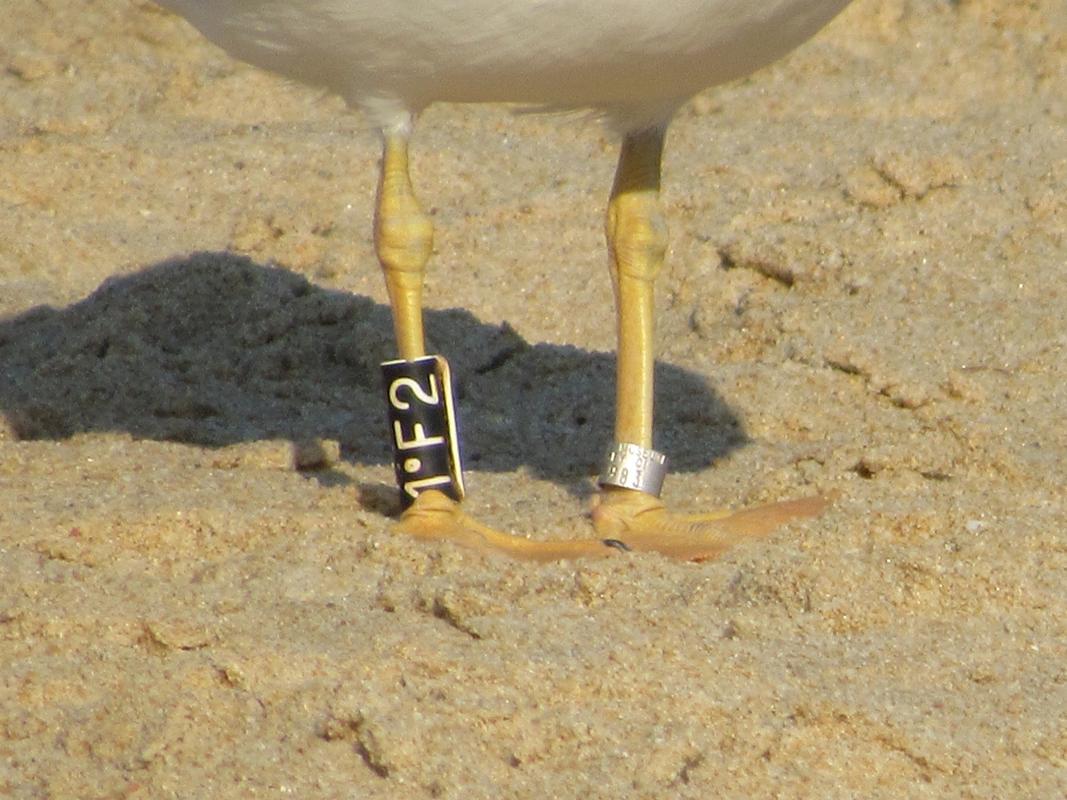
point(200, 592)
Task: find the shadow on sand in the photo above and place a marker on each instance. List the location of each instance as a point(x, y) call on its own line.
point(214, 349)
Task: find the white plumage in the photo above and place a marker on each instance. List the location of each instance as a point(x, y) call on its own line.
point(635, 61)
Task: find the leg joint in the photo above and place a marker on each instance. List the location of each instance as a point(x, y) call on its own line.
point(403, 235)
point(637, 235)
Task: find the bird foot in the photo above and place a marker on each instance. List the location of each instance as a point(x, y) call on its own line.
point(624, 520)
point(638, 521)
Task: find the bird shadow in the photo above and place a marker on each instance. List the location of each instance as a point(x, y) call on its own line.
point(214, 349)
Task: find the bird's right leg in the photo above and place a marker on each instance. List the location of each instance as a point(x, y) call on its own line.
point(403, 238)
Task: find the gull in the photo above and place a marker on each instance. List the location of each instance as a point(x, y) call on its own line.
point(632, 63)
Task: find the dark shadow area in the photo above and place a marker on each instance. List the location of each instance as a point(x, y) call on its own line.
point(214, 349)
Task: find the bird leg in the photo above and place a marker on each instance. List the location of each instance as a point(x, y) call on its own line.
point(625, 519)
point(637, 240)
point(403, 237)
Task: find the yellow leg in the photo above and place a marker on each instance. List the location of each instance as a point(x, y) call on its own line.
point(403, 236)
point(637, 239)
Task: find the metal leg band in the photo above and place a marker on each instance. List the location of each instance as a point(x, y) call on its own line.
point(634, 467)
point(422, 421)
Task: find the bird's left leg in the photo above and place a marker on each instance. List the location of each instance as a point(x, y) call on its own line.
point(629, 511)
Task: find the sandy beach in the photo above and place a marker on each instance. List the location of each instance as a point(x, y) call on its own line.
point(201, 595)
